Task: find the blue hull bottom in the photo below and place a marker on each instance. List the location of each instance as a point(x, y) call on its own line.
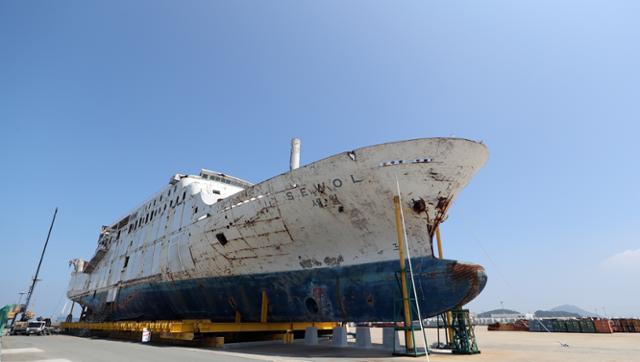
point(358, 293)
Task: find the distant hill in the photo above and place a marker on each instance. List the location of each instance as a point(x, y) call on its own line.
point(555, 314)
point(497, 311)
point(573, 309)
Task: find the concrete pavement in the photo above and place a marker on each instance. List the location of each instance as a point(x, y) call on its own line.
point(495, 347)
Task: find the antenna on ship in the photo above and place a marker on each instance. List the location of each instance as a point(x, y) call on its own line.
point(294, 160)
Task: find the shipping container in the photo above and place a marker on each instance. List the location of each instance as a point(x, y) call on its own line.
point(616, 325)
point(586, 325)
point(547, 325)
point(535, 325)
point(631, 325)
point(559, 325)
point(573, 325)
point(521, 325)
point(627, 325)
point(602, 326)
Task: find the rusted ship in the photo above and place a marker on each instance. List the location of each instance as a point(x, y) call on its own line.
point(320, 240)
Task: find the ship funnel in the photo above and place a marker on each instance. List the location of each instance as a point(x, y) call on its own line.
point(294, 161)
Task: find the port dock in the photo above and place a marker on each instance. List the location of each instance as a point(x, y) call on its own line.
point(495, 346)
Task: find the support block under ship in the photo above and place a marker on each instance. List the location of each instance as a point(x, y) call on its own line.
point(319, 239)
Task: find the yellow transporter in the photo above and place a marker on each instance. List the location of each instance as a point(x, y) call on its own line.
point(186, 330)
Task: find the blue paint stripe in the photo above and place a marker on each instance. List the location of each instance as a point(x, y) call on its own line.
point(365, 292)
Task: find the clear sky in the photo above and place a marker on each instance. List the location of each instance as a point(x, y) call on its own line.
point(101, 102)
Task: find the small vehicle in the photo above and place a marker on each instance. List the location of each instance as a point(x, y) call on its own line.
point(18, 328)
point(38, 327)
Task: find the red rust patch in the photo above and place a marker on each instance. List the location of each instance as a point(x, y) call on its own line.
point(473, 274)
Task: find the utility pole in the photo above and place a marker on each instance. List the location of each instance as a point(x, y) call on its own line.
point(35, 278)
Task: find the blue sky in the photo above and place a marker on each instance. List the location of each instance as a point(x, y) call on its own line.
point(101, 102)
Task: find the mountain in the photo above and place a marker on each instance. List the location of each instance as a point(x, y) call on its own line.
point(573, 309)
point(488, 314)
point(555, 314)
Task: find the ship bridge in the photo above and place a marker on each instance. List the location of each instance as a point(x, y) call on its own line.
point(220, 177)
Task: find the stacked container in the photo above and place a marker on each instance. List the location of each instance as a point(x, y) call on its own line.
point(535, 325)
point(586, 326)
point(616, 325)
point(573, 325)
point(602, 326)
point(626, 326)
point(548, 325)
point(559, 325)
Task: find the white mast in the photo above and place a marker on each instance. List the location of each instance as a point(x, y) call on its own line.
point(294, 161)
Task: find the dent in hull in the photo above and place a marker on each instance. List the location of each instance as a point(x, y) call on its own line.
point(358, 293)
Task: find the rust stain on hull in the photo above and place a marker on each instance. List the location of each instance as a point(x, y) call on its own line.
point(474, 274)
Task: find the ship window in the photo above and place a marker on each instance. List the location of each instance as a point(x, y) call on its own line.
point(216, 192)
point(126, 262)
point(222, 239)
point(160, 198)
point(195, 211)
point(165, 207)
point(184, 195)
point(147, 218)
point(312, 305)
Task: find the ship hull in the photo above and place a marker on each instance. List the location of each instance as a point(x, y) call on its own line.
point(358, 293)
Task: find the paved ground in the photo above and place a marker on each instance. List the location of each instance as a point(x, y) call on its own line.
point(495, 346)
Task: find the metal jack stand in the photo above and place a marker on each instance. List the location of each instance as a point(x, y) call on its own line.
point(464, 339)
point(407, 304)
point(400, 313)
